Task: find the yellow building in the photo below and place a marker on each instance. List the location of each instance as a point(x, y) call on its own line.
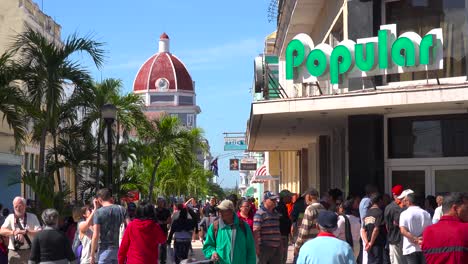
point(15, 17)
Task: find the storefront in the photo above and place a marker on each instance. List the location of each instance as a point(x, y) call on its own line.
point(354, 119)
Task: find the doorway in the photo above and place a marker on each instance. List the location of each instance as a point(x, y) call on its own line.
point(429, 179)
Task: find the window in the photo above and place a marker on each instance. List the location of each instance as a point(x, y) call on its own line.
point(26, 160)
point(454, 180)
point(421, 16)
point(162, 99)
point(428, 136)
point(31, 163)
point(185, 100)
point(190, 120)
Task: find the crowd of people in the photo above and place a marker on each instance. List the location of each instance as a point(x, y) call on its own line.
point(321, 229)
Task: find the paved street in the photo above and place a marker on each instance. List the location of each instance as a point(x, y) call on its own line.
point(198, 254)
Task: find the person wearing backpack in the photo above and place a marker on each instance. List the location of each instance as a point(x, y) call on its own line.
point(229, 240)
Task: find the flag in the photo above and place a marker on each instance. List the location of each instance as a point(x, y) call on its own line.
point(214, 167)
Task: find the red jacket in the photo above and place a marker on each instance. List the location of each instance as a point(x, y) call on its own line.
point(140, 242)
point(249, 220)
point(446, 242)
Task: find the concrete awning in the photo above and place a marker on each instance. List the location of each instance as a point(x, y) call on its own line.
point(292, 124)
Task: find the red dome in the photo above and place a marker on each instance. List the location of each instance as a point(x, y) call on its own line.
point(163, 65)
point(164, 36)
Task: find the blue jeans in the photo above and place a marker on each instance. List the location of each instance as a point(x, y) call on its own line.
point(108, 256)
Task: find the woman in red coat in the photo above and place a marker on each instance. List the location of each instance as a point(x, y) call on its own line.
point(142, 237)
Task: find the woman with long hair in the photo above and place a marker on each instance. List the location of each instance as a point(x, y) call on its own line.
point(181, 230)
point(142, 237)
point(85, 229)
point(349, 226)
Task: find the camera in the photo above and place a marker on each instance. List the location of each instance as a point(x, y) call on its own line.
point(17, 244)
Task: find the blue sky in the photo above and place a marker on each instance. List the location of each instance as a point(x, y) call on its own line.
point(217, 41)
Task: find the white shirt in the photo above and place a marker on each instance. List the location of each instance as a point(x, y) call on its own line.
point(86, 245)
point(31, 224)
point(437, 215)
point(355, 228)
point(415, 220)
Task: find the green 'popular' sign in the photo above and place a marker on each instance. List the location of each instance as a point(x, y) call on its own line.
point(384, 54)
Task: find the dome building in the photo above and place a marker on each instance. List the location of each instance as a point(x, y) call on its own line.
point(166, 86)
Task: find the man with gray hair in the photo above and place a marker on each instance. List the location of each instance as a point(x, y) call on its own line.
point(413, 221)
point(326, 248)
point(21, 227)
point(51, 245)
point(447, 240)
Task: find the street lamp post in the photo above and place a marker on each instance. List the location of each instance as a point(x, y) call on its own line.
point(109, 112)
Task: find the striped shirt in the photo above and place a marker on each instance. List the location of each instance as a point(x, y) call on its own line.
point(308, 228)
point(268, 225)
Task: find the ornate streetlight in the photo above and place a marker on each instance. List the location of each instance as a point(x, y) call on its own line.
point(109, 113)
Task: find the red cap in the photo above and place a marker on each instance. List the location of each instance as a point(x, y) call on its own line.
point(397, 189)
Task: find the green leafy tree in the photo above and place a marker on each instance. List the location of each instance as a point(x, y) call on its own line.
point(169, 143)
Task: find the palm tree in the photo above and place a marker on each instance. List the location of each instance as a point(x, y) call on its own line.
point(99, 95)
point(12, 103)
point(49, 66)
point(129, 114)
point(77, 151)
point(168, 140)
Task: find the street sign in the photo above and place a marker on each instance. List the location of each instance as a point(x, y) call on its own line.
point(248, 164)
point(234, 164)
point(235, 142)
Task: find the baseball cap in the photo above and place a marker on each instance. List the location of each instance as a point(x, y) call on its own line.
point(405, 193)
point(397, 190)
point(285, 193)
point(270, 195)
point(327, 219)
point(226, 205)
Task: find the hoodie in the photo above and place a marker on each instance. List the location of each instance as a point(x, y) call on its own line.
point(140, 242)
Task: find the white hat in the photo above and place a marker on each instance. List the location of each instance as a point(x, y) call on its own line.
point(226, 205)
point(405, 193)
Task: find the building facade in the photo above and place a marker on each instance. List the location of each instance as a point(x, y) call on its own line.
point(371, 92)
point(167, 88)
point(15, 17)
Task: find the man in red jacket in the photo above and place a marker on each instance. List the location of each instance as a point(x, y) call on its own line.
point(447, 241)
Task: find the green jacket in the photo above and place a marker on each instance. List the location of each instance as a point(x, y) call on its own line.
point(244, 247)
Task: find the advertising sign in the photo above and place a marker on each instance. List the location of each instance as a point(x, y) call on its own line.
point(248, 164)
point(387, 53)
point(235, 143)
point(234, 164)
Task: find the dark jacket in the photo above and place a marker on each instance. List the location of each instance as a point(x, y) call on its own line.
point(285, 222)
point(298, 209)
point(50, 245)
